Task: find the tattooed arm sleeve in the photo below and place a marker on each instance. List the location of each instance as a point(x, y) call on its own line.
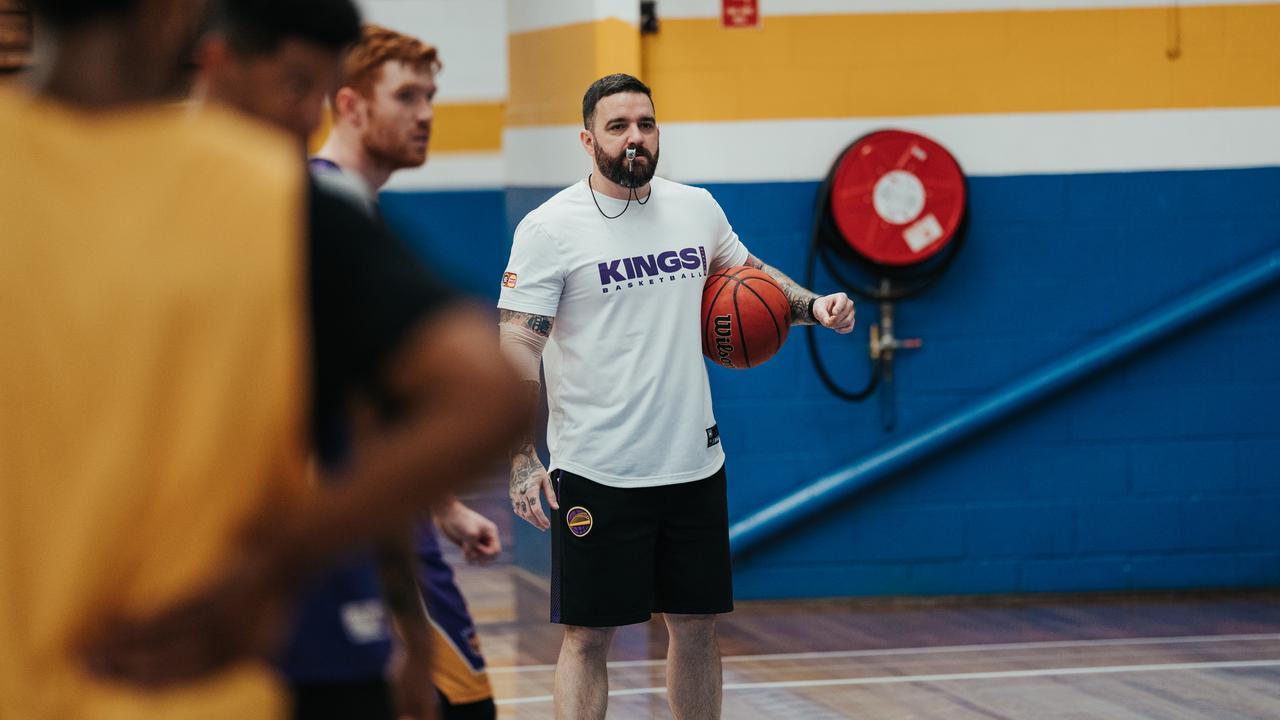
point(523, 337)
point(799, 297)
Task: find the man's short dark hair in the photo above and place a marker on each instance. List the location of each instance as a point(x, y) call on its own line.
point(64, 14)
point(606, 86)
point(258, 27)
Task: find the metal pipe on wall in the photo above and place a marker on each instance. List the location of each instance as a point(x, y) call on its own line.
point(1108, 350)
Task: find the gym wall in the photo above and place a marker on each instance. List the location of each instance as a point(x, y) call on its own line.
point(1119, 155)
point(453, 208)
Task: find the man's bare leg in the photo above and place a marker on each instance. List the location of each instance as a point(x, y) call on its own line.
point(694, 681)
point(582, 676)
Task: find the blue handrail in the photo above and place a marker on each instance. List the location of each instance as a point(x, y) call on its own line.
point(1119, 344)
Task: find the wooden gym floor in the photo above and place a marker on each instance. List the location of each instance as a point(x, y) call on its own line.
point(1176, 656)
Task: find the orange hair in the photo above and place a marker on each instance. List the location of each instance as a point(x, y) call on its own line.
point(377, 46)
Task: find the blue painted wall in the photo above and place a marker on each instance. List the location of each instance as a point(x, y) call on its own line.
point(462, 234)
point(1162, 473)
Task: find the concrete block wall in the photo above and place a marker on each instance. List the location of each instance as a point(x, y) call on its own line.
point(1107, 175)
point(1161, 473)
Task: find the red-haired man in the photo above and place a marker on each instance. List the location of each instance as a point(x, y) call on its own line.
point(382, 116)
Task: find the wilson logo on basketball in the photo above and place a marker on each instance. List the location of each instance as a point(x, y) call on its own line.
point(724, 345)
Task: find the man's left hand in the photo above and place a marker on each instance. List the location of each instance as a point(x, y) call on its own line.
point(834, 311)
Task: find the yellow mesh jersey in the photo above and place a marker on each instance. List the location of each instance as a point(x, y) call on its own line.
point(151, 388)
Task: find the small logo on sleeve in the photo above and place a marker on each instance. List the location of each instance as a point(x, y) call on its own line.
point(713, 436)
point(508, 280)
point(578, 520)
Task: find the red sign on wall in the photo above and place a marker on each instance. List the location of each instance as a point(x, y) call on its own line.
point(740, 13)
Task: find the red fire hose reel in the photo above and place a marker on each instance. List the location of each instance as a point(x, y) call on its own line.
point(898, 198)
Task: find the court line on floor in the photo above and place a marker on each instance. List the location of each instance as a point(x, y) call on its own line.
point(924, 650)
point(945, 677)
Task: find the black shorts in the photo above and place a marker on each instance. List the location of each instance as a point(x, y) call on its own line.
point(620, 554)
point(354, 700)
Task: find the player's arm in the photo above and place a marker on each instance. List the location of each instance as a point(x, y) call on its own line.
point(448, 406)
point(401, 593)
point(459, 408)
point(523, 337)
point(415, 695)
point(834, 311)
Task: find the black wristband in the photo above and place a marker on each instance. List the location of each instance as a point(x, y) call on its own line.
point(812, 300)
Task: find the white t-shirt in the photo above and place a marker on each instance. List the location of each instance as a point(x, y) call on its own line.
point(629, 401)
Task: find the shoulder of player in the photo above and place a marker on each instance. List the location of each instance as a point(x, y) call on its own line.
point(534, 228)
point(12, 102)
point(224, 145)
point(333, 181)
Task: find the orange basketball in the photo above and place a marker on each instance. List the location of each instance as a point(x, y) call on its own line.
point(745, 317)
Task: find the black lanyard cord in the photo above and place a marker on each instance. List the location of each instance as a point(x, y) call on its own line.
point(630, 195)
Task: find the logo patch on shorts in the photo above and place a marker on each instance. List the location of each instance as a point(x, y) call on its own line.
point(508, 279)
point(579, 521)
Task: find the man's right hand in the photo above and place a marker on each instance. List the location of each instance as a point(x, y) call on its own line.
point(528, 479)
point(474, 533)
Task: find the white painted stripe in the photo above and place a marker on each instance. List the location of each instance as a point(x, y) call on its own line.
point(470, 36)
point(675, 9)
point(530, 15)
point(1003, 144)
point(544, 156)
point(943, 677)
point(452, 171)
point(926, 650)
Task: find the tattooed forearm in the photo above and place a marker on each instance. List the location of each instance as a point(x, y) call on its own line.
point(526, 350)
point(523, 338)
point(524, 457)
point(527, 474)
point(540, 324)
point(799, 298)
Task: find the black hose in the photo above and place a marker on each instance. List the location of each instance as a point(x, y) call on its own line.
point(827, 244)
point(810, 337)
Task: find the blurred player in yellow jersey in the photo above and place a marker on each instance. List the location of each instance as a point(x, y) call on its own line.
point(153, 387)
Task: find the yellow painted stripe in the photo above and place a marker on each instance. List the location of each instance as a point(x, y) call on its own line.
point(551, 69)
point(876, 65)
point(470, 127)
point(318, 137)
